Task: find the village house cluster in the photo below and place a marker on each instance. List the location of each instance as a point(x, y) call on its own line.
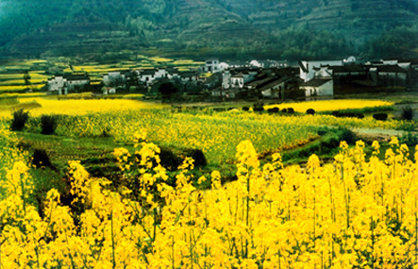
point(262, 79)
point(316, 79)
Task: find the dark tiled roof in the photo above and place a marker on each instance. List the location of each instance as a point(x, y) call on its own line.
point(365, 82)
point(302, 67)
point(187, 74)
point(172, 70)
point(77, 77)
point(350, 68)
point(147, 72)
point(390, 69)
point(275, 82)
point(258, 82)
point(316, 82)
point(238, 75)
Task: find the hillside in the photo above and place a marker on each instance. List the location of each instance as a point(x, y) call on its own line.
point(289, 28)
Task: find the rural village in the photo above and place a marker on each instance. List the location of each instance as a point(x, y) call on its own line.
point(310, 80)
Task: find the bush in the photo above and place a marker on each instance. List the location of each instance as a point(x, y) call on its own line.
point(258, 109)
point(197, 155)
point(48, 124)
point(284, 110)
point(246, 108)
point(407, 113)
point(290, 110)
point(310, 111)
point(40, 159)
point(169, 160)
point(380, 116)
point(409, 138)
point(273, 110)
point(20, 117)
point(348, 114)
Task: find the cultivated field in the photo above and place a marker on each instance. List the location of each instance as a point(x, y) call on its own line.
point(357, 210)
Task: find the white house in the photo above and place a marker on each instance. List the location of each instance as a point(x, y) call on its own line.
point(350, 60)
point(188, 76)
point(114, 76)
point(212, 65)
point(307, 67)
point(63, 84)
point(322, 72)
point(237, 78)
point(149, 76)
point(318, 88)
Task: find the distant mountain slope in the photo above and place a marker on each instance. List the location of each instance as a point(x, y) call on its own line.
point(79, 27)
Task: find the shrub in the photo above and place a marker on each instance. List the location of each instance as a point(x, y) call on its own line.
point(169, 160)
point(20, 117)
point(290, 110)
point(246, 108)
point(48, 124)
point(284, 110)
point(197, 155)
point(40, 159)
point(409, 138)
point(310, 111)
point(273, 110)
point(380, 116)
point(258, 109)
point(348, 114)
point(407, 113)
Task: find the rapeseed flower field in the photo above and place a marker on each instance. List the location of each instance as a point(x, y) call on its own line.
point(331, 105)
point(352, 213)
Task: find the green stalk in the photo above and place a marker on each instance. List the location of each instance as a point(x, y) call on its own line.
point(347, 205)
point(416, 232)
point(332, 201)
point(314, 220)
point(113, 243)
point(372, 227)
point(172, 251)
point(248, 214)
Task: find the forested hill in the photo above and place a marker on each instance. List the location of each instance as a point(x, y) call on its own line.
point(290, 28)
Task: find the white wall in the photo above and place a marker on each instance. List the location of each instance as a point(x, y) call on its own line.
point(309, 65)
point(326, 89)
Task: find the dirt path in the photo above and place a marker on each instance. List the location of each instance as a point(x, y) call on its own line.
point(381, 135)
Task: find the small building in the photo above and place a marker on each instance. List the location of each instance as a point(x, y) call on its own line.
point(280, 87)
point(212, 65)
point(188, 76)
point(307, 67)
point(147, 76)
point(318, 88)
point(63, 84)
point(108, 90)
point(392, 75)
point(238, 77)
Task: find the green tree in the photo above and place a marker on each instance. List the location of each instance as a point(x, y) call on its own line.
point(167, 89)
point(27, 79)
